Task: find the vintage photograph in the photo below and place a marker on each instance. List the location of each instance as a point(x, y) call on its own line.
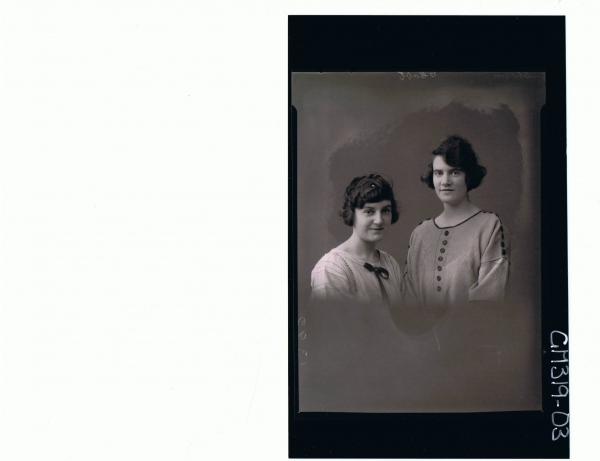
point(418, 241)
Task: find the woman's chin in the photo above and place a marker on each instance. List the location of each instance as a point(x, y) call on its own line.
point(376, 238)
point(371, 239)
point(450, 201)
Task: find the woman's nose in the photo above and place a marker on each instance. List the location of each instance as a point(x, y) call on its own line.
point(378, 217)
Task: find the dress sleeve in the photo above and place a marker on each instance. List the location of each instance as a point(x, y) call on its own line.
point(493, 272)
point(331, 279)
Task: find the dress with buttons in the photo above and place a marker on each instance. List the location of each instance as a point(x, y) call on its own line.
point(457, 264)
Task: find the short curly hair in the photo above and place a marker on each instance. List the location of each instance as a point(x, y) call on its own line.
point(458, 152)
point(370, 188)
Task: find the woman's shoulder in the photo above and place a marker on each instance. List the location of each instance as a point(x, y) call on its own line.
point(423, 225)
point(334, 259)
point(490, 218)
point(332, 276)
point(488, 225)
point(422, 230)
point(488, 214)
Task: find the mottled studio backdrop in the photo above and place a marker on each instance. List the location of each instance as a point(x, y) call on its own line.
point(351, 124)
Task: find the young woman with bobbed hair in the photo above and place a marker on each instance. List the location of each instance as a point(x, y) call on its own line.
point(356, 270)
point(461, 255)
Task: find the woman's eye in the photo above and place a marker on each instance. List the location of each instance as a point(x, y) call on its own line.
point(387, 211)
point(456, 172)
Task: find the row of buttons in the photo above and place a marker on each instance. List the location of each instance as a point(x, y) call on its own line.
point(502, 242)
point(443, 250)
point(441, 258)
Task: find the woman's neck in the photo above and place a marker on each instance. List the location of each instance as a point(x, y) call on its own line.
point(455, 214)
point(361, 249)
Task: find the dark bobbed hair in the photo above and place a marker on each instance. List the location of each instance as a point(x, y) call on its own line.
point(459, 153)
point(370, 188)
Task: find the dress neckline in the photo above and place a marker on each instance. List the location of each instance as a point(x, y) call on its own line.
point(356, 258)
point(456, 225)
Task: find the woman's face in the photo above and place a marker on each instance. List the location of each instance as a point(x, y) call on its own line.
point(371, 220)
point(449, 182)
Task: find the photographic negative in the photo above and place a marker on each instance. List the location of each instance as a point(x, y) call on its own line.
point(421, 293)
point(460, 328)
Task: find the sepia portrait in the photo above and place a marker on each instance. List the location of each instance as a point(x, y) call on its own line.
point(418, 240)
point(428, 298)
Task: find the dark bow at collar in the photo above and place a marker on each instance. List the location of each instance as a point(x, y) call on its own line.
point(379, 271)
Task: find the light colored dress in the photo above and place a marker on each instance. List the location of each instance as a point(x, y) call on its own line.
point(457, 264)
point(340, 275)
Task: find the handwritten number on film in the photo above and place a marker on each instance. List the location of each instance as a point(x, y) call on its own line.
point(559, 372)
